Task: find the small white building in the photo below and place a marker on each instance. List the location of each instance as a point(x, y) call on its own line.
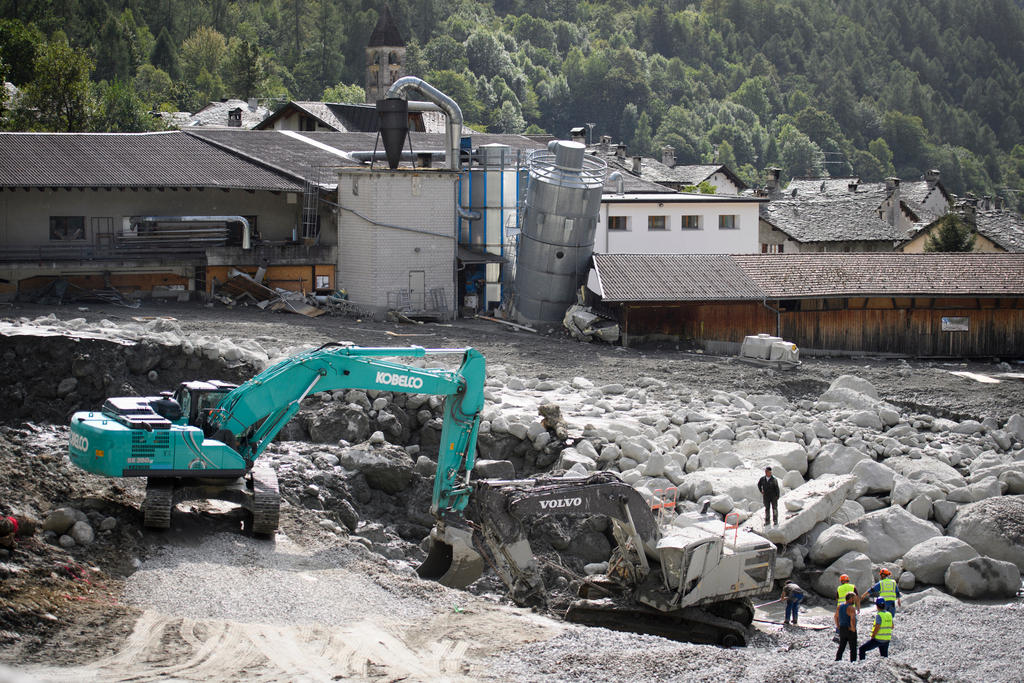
point(677, 223)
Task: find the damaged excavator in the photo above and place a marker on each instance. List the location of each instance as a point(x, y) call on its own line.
point(687, 580)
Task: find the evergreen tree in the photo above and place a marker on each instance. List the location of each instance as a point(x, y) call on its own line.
point(113, 53)
point(121, 110)
point(165, 55)
point(246, 69)
point(951, 233)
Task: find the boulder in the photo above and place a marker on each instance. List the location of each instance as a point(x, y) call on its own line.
point(927, 469)
point(983, 577)
point(60, 520)
point(1014, 480)
point(82, 533)
point(570, 456)
point(836, 458)
point(494, 469)
point(856, 565)
point(994, 527)
point(835, 542)
point(929, 560)
point(849, 511)
point(920, 507)
point(868, 419)
point(905, 490)
point(931, 594)
point(892, 531)
point(722, 504)
point(943, 511)
point(760, 453)
point(972, 493)
point(854, 383)
point(386, 468)
point(907, 581)
point(872, 478)
point(820, 499)
point(339, 422)
point(1015, 426)
point(738, 484)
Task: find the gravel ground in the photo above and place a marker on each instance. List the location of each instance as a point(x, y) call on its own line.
point(313, 606)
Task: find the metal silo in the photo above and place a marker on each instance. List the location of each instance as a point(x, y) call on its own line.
point(563, 199)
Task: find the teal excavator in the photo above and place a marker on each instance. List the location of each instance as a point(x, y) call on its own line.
point(204, 439)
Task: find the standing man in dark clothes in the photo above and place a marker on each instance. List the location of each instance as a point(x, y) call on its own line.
point(848, 628)
point(769, 488)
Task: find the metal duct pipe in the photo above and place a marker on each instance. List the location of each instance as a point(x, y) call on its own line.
point(246, 230)
point(619, 183)
point(453, 131)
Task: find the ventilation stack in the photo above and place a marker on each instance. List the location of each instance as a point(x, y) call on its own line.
point(394, 126)
point(563, 201)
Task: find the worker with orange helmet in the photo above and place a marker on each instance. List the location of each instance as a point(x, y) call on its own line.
point(844, 588)
point(886, 589)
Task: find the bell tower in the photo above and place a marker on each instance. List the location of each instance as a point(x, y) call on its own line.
point(385, 57)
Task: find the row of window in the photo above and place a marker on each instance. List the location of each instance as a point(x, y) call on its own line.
point(72, 228)
point(725, 222)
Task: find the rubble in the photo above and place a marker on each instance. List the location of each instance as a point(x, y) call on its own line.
point(862, 476)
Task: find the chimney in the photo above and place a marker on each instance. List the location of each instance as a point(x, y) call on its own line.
point(637, 164)
point(235, 118)
point(999, 203)
point(253, 104)
point(931, 177)
point(606, 143)
point(620, 151)
point(970, 209)
point(668, 156)
point(986, 203)
point(578, 134)
point(772, 181)
point(852, 186)
point(892, 185)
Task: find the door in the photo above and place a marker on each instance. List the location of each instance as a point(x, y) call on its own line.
point(417, 288)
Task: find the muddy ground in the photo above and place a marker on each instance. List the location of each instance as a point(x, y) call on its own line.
point(96, 613)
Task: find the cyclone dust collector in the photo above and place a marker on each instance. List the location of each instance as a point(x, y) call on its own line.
point(563, 200)
point(394, 126)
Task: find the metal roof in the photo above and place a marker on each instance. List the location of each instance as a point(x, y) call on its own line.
point(716, 277)
point(672, 277)
point(167, 159)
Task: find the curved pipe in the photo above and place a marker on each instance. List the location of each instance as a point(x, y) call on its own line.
point(619, 184)
point(453, 133)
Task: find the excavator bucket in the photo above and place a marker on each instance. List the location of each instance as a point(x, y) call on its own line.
point(452, 560)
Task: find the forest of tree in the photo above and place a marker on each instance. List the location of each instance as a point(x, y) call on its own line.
point(870, 88)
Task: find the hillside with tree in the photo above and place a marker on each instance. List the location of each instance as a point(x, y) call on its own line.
point(871, 88)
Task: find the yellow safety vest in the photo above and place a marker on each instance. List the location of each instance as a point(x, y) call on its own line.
point(887, 590)
point(885, 628)
point(843, 590)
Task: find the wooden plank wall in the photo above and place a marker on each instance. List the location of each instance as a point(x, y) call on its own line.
point(996, 326)
point(295, 278)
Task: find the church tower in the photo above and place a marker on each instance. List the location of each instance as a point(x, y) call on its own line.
point(385, 57)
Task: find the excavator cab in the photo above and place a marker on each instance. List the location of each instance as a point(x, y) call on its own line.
point(198, 399)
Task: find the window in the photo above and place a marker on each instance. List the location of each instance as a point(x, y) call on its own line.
point(656, 223)
point(618, 222)
point(772, 248)
point(67, 228)
point(727, 222)
point(691, 222)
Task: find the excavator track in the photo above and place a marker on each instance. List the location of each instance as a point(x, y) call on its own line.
point(689, 624)
point(266, 501)
point(156, 508)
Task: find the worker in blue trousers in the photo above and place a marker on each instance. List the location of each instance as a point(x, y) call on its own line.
point(881, 633)
point(887, 590)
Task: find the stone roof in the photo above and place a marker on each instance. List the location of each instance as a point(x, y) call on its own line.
point(917, 193)
point(826, 186)
point(346, 117)
point(166, 159)
point(1005, 228)
point(653, 171)
point(721, 277)
point(215, 114)
point(851, 216)
point(385, 33)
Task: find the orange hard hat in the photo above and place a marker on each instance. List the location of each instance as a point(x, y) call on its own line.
point(844, 578)
point(884, 572)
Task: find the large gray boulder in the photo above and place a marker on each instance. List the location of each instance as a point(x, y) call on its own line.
point(994, 527)
point(339, 422)
point(856, 565)
point(763, 452)
point(930, 559)
point(836, 458)
point(983, 577)
point(818, 499)
point(927, 469)
point(836, 541)
point(892, 531)
point(872, 478)
point(386, 467)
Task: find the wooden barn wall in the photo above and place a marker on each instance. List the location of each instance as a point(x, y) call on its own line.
point(995, 326)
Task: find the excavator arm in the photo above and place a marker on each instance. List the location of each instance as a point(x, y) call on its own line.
point(144, 437)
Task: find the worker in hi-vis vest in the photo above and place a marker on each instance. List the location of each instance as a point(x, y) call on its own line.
point(881, 633)
point(887, 590)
